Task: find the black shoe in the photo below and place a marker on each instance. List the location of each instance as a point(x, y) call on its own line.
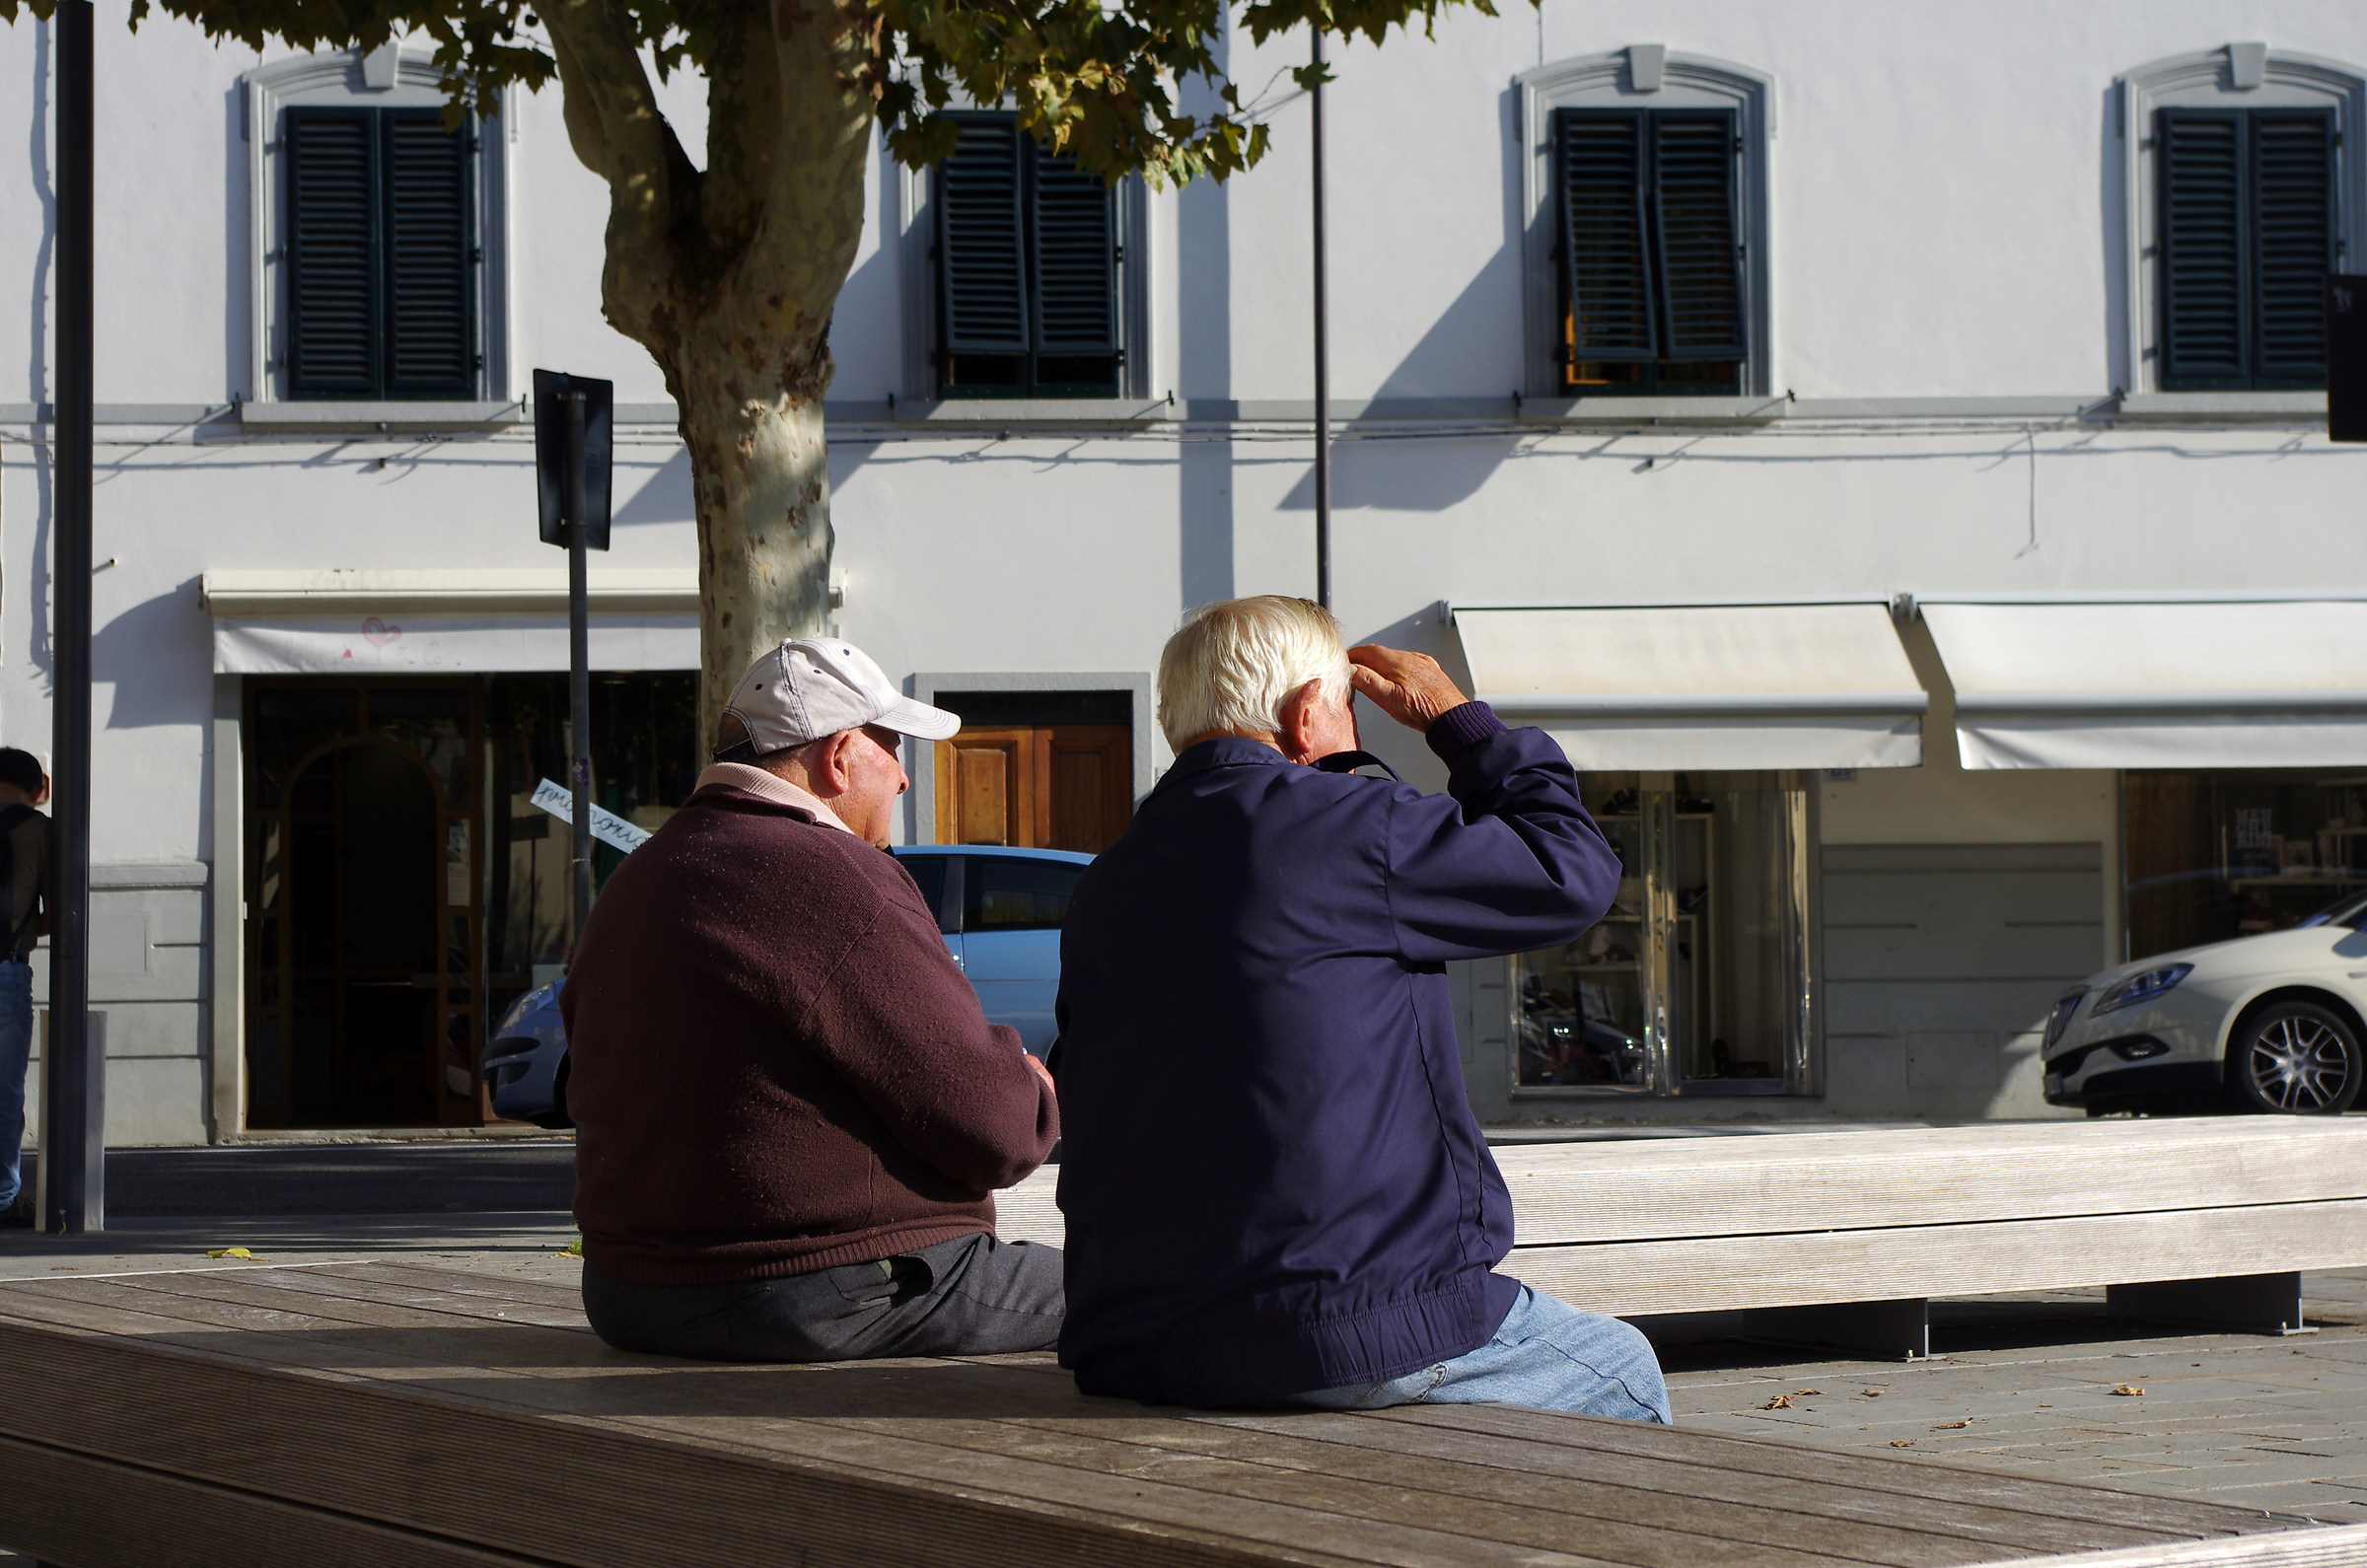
point(20, 1214)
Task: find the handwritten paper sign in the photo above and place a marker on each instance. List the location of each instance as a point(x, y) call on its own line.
point(607, 826)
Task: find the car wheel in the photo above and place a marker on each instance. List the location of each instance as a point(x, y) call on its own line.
point(556, 1120)
point(2296, 1059)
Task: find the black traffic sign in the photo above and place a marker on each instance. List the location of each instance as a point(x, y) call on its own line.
point(557, 396)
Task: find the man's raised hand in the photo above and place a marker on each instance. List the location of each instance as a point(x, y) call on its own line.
point(1410, 688)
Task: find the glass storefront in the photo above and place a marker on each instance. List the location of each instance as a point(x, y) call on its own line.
point(402, 889)
point(2211, 856)
point(1696, 981)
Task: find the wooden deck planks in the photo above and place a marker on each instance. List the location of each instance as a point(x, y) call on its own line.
point(435, 1377)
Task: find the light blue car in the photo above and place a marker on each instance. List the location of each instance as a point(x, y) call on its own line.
point(1000, 912)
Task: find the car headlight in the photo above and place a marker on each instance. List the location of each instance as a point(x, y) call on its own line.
point(2141, 988)
point(2060, 1018)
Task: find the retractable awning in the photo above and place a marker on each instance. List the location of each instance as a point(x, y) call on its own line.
point(1703, 686)
point(414, 622)
point(2218, 684)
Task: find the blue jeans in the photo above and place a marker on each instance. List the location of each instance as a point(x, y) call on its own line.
point(1547, 1354)
point(16, 1050)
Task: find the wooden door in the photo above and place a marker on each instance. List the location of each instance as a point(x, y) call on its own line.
point(1038, 786)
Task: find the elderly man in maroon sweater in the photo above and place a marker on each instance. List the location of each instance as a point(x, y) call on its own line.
point(790, 1112)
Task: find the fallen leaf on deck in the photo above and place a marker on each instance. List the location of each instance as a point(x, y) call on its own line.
point(1902, 1442)
point(231, 1252)
point(1803, 1392)
point(2127, 1387)
point(1782, 1401)
point(1873, 1393)
point(1950, 1426)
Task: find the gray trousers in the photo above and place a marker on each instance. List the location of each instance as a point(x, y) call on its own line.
point(972, 1296)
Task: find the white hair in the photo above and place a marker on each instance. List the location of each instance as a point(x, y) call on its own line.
point(1232, 665)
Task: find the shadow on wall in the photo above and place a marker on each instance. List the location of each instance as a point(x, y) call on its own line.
point(2112, 200)
point(127, 657)
point(1368, 474)
point(665, 496)
point(1204, 369)
point(237, 299)
point(36, 369)
point(870, 293)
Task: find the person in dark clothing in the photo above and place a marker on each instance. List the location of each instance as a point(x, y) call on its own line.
point(790, 1110)
point(1274, 1186)
point(26, 888)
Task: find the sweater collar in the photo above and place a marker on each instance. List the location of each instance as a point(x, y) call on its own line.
point(770, 787)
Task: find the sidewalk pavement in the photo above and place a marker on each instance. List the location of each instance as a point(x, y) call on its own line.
point(2022, 1384)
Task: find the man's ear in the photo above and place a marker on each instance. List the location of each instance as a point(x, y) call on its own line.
point(838, 766)
point(1296, 718)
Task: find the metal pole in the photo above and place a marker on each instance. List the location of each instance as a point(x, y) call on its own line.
point(74, 1068)
point(1323, 357)
point(579, 669)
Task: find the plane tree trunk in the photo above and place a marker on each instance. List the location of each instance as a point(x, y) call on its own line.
point(728, 276)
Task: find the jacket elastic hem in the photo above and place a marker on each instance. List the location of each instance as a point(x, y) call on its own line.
point(1262, 1364)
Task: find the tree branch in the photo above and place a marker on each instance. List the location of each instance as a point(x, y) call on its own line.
point(829, 74)
point(744, 111)
point(636, 152)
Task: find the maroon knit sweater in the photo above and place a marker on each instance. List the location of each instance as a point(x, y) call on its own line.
point(775, 1066)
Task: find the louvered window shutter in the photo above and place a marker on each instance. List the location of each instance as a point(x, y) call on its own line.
point(1076, 259)
point(979, 240)
point(2205, 267)
point(430, 259)
point(1600, 169)
point(334, 345)
point(2293, 244)
point(1695, 230)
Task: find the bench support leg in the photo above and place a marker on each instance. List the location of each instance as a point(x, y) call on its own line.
point(2256, 1303)
point(1897, 1331)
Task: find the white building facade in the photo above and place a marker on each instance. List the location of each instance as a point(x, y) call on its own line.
point(1880, 443)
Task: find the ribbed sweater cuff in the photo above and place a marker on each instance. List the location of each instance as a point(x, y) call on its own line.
point(1458, 730)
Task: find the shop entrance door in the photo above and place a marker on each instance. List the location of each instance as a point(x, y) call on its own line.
point(1035, 770)
point(363, 948)
point(1696, 981)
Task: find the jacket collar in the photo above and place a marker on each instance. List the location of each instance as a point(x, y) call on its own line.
point(1227, 750)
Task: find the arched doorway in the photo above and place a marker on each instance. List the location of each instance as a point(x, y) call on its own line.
point(363, 991)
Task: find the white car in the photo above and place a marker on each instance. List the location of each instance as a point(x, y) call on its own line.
point(2263, 1023)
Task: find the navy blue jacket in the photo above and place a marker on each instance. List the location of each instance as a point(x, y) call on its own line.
point(1272, 1178)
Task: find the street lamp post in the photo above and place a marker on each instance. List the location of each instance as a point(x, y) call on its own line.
point(1323, 353)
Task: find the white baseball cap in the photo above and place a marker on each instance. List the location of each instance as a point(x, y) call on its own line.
point(812, 687)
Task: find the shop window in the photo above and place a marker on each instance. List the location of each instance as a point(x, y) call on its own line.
point(2214, 856)
point(2247, 237)
point(1696, 981)
point(1650, 251)
point(1027, 260)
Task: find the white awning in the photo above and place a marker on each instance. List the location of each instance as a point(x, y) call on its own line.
point(414, 622)
point(1703, 686)
point(2255, 683)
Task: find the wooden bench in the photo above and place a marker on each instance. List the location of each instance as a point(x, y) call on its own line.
point(397, 1417)
point(1841, 1236)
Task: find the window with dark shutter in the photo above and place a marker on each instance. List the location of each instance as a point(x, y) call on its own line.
point(2247, 235)
point(1027, 264)
point(1649, 239)
point(431, 256)
point(332, 253)
point(382, 257)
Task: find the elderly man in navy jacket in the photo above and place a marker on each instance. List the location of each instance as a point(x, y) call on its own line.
point(1274, 1186)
